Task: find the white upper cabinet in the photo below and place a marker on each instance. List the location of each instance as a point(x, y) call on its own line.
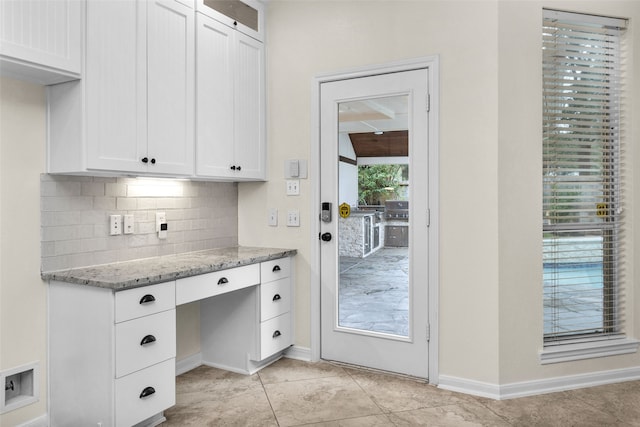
point(114, 87)
point(41, 40)
point(170, 86)
point(247, 16)
point(230, 133)
point(133, 110)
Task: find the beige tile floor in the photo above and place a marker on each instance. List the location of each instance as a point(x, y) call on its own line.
point(295, 393)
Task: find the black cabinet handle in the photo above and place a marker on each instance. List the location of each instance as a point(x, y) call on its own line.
point(148, 391)
point(276, 268)
point(276, 297)
point(223, 281)
point(276, 334)
point(148, 340)
point(147, 299)
point(145, 160)
point(233, 167)
point(153, 161)
point(239, 167)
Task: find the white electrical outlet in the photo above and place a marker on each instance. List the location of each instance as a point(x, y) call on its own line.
point(272, 218)
point(293, 218)
point(115, 225)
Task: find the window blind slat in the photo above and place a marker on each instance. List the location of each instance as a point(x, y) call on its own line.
point(582, 203)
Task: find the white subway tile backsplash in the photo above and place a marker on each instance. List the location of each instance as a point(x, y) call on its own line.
point(115, 190)
point(93, 188)
point(147, 203)
point(68, 188)
point(75, 213)
point(126, 204)
point(104, 203)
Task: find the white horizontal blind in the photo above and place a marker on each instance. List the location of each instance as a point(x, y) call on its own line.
point(582, 200)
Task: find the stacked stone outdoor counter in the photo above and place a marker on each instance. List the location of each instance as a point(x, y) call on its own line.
point(149, 271)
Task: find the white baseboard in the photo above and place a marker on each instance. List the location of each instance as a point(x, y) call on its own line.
point(298, 353)
point(188, 363)
point(535, 387)
point(475, 388)
point(195, 360)
point(41, 421)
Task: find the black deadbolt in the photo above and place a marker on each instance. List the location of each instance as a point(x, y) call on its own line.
point(326, 237)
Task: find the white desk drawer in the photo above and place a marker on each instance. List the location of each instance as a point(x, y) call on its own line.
point(207, 285)
point(275, 269)
point(145, 341)
point(145, 300)
point(275, 335)
point(145, 393)
point(275, 299)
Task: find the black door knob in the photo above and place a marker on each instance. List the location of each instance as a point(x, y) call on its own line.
point(326, 237)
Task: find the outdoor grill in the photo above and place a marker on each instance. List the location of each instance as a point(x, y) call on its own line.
point(396, 210)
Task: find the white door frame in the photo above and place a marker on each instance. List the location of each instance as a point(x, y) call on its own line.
point(432, 63)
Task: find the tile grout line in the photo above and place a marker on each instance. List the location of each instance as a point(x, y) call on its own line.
point(264, 390)
point(382, 410)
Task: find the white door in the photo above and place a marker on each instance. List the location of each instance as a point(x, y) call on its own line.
point(374, 253)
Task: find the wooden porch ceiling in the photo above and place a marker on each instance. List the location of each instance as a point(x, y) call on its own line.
point(389, 144)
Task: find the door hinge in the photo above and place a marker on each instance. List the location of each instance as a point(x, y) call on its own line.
point(428, 217)
point(428, 332)
point(428, 103)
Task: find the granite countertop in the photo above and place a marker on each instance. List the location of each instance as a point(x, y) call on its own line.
point(148, 271)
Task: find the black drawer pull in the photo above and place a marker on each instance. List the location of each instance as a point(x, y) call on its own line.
point(276, 297)
point(276, 268)
point(223, 281)
point(148, 391)
point(147, 299)
point(276, 334)
point(148, 340)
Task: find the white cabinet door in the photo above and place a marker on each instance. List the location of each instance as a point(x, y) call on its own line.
point(230, 135)
point(41, 40)
point(214, 98)
point(115, 78)
point(170, 87)
point(137, 98)
point(249, 151)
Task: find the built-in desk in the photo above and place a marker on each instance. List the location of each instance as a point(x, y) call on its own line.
point(112, 328)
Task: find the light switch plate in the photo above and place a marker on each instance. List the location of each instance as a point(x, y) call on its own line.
point(128, 224)
point(293, 218)
point(272, 218)
point(161, 218)
point(293, 187)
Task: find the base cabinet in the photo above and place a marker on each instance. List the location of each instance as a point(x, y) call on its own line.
point(110, 363)
point(244, 330)
point(112, 354)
